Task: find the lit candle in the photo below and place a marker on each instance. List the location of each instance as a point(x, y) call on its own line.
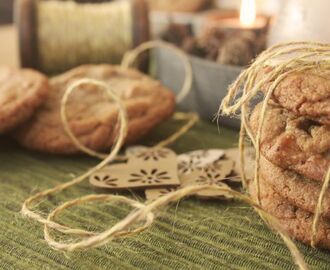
point(248, 13)
point(247, 19)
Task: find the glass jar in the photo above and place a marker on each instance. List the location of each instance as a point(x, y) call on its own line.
point(301, 20)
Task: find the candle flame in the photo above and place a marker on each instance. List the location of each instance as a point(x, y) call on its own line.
point(248, 12)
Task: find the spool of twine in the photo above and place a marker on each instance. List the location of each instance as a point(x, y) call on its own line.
point(58, 35)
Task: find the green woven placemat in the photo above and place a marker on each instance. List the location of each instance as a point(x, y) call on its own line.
point(193, 234)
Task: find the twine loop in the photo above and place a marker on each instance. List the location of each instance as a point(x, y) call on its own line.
point(131, 56)
point(121, 229)
point(111, 94)
point(96, 239)
point(145, 212)
point(111, 157)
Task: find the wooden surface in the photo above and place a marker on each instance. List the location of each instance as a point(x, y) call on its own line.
point(8, 46)
point(27, 38)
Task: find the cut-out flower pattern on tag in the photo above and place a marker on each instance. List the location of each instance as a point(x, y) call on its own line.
point(154, 154)
point(213, 174)
point(209, 179)
point(145, 168)
point(190, 161)
point(150, 177)
point(219, 169)
point(107, 179)
point(203, 178)
point(186, 167)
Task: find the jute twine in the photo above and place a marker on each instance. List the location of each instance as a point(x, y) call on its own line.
point(190, 118)
point(105, 30)
point(131, 56)
point(143, 212)
point(127, 61)
point(96, 239)
point(294, 57)
point(111, 157)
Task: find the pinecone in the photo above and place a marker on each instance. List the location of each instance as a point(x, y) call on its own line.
point(210, 41)
point(237, 50)
point(191, 46)
point(176, 34)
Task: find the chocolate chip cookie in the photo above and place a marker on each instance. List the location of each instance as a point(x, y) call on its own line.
point(92, 117)
point(21, 93)
point(305, 94)
point(294, 142)
point(296, 189)
point(297, 222)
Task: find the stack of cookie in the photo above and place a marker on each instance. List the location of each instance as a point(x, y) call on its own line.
point(295, 153)
point(30, 107)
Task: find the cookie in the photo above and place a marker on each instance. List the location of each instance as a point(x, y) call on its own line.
point(305, 94)
point(292, 142)
point(21, 93)
point(296, 189)
point(295, 221)
point(92, 116)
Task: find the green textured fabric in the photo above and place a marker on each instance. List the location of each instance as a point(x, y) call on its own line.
point(193, 234)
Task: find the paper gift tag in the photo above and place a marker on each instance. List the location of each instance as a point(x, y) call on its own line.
point(233, 154)
point(213, 174)
point(188, 162)
point(204, 178)
point(155, 193)
point(135, 149)
point(227, 168)
point(218, 171)
point(154, 156)
point(142, 154)
point(144, 169)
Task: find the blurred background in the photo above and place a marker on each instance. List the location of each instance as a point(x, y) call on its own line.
point(220, 37)
point(6, 11)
